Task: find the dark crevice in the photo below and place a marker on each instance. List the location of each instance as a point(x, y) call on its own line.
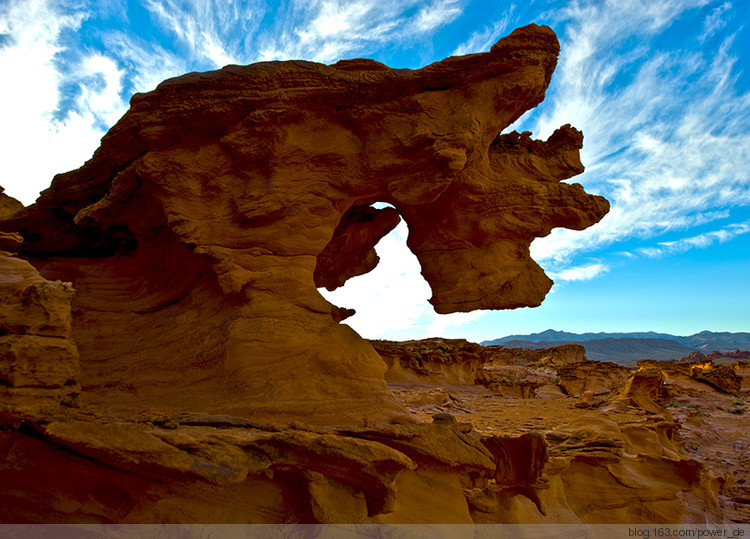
point(163, 305)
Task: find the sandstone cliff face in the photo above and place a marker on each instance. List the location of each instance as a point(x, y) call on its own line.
point(197, 234)
point(38, 362)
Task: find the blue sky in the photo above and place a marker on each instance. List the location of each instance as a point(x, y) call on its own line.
point(659, 89)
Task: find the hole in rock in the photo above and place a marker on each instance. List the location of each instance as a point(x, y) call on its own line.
point(391, 300)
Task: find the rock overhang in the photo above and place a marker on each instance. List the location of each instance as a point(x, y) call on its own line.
point(251, 185)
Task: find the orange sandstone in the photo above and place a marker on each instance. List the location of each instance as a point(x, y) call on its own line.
point(196, 235)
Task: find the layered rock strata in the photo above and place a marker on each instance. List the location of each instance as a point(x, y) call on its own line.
point(517, 381)
point(541, 357)
point(216, 469)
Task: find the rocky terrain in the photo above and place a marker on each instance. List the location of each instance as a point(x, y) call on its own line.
point(610, 434)
point(165, 355)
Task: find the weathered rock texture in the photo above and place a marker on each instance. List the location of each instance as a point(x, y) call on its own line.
point(548, 464)
point(542, 357)
point(195, 234)
point(590, 470)
point(38, 361)
point(431, 361)
point(8, 206)
point(599, 378)
point(516, 381)
point(645, 389)
point(727, 378)
point(723, 377)
point(633, 473)
point(351, 252)
point(664, 447)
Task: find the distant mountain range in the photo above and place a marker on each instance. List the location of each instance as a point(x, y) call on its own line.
point(627, 348)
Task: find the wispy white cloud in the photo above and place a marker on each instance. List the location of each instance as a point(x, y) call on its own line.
point(580, 273)
point(437, 14)
point(101, 99)
point(700, 241)
point(33, 144)
point(328, 30)
point(212, 32)
point(715, 21)
point(146, 63)
point(481, 41)
point(664, 129)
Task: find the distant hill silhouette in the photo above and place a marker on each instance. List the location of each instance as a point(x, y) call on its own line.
point(627, 348)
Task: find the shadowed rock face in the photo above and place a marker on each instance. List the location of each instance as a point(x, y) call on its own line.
point(197, 234)
point(38, 362)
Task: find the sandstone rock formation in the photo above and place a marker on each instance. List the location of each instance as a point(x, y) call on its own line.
point(588, 470)
point(558, 465)
point(431, 361)
point(217, 385)
point(135, 472)
point(645, 389)
point(38, 362)
point(541, 357)
point(527, 373)
point(517, 381)
point(633, 473)
point(351, 252)
point(743, 369)
point(722, 377)
point(598, 378)
point(195, 234)
point(727, 378)
point(8, 206)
